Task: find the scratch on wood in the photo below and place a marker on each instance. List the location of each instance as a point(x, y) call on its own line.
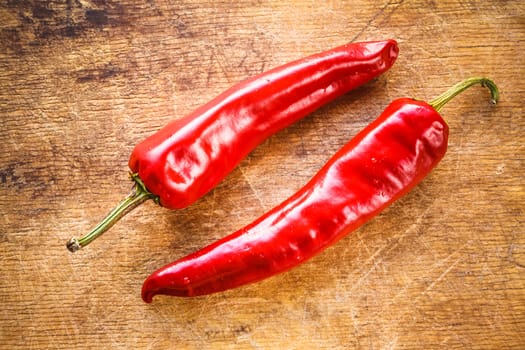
point(393, 343)
point(375, 254)
point(217, 58)
point(393, 4)
point(441, 276)
point(363, 277)
point(252, 188)
point(511, 258)
point(447, 270)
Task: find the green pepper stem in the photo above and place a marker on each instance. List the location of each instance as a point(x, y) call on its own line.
point(139, 195)
point(442, 99)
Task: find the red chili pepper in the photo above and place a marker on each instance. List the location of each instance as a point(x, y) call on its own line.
point(190, 156)
point(382, 163)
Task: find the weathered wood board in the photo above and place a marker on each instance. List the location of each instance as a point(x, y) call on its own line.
point(82, 81)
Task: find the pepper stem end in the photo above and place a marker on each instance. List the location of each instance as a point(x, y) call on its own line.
point(442, 99)
point(73, 245)
point(139, 195)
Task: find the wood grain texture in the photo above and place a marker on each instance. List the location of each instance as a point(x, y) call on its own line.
point(82, 81)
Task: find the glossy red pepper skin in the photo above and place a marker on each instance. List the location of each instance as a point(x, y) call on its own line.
point(190, 156)
point(379, 165)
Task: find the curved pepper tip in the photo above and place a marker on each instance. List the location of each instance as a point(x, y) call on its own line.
point(387, 49)
point(149, 290)
point(148, 297)
point(394, 50)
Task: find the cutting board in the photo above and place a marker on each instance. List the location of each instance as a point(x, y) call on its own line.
point(82, 82)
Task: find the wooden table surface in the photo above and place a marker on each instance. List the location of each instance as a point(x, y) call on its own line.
point(81, 82)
